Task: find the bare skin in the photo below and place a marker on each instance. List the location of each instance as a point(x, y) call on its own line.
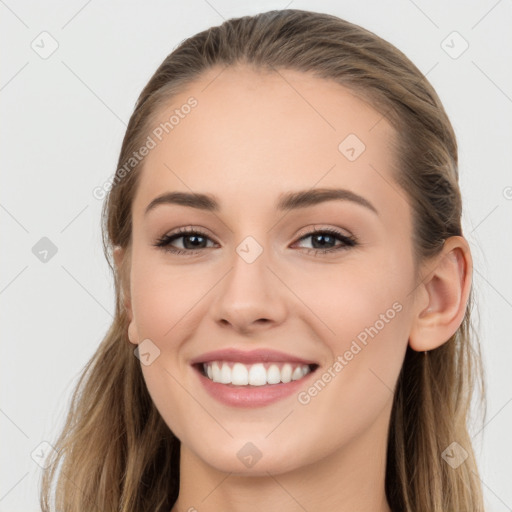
point(251, 139)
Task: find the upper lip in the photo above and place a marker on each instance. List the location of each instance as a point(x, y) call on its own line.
point(252, 356)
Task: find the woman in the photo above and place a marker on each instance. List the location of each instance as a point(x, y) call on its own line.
point(245, 370)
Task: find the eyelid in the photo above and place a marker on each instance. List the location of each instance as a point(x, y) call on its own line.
point(308, 230)
point(322, 227)
point(347, 240)
point(185, 230)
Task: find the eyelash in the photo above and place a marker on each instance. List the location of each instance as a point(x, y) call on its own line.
point(165, 241)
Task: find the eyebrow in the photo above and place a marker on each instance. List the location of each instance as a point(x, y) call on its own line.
point(286, 202)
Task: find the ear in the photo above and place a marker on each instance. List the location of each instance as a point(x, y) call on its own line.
point(122, 266)
point(443, 296)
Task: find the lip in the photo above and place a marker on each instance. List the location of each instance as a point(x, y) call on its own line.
point(251, 396)
point(249, 357)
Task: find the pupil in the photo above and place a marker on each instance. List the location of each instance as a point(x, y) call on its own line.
point(316, 238)
point(194, 244)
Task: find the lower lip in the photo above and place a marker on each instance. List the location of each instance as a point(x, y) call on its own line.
point(251, 396)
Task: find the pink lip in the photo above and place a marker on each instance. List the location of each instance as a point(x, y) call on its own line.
point(248, 357)
point(251, 396)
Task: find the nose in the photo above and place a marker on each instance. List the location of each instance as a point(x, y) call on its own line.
point(251, 297)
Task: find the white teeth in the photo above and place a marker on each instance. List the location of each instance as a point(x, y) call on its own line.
point(286, 373)
point(273, 375)
point(216, 372)
point(225, 375)
point(239, 374)
point(297, 373)
point(256, 374)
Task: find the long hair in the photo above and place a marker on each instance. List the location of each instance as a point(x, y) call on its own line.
point(115, 452)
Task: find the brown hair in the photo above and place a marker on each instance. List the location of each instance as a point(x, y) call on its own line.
point(116, 451)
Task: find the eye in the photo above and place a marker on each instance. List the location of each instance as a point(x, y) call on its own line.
point(323, 238)
point(195, 237)
point(193, 241)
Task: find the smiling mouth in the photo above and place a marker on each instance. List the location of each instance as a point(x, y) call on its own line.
point(258, 374)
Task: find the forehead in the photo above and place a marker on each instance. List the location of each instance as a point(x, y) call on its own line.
point(254, 134)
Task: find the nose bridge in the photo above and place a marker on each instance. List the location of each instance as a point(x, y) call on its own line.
point(249, 276)
point(250, 291)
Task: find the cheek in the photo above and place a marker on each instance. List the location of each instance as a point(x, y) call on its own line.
point(162, 295)
point(163, 299)
point(362, 313)
point(369, 323)
point(354, 295)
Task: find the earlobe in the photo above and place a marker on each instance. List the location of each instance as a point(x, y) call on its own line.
point(132, 332)
point(446, 292)
point(118, 254)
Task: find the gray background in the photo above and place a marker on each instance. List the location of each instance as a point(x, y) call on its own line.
point(62, 121)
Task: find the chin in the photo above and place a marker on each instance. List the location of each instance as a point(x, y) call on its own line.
point(253, 458)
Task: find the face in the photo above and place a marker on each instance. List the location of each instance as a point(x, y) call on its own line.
point(323, 285)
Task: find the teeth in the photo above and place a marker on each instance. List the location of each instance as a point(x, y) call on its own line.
point(238, 376)
point(273, 375)
point(297, 374)
point(258, 374)
point(225, 375)
point(286, 373)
